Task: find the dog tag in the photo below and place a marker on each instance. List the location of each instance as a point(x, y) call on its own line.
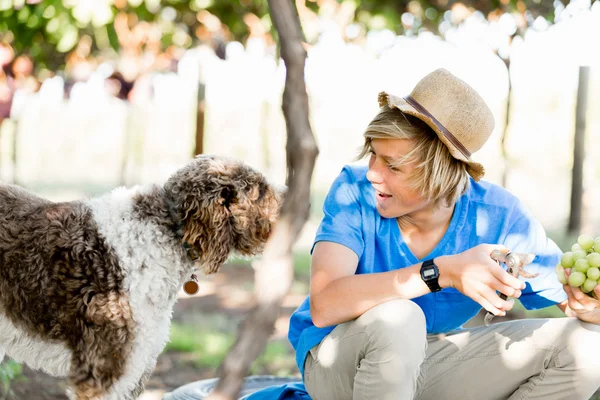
point(191, 286)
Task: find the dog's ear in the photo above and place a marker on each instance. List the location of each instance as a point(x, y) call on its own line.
point(207, 227)
point(218, 248)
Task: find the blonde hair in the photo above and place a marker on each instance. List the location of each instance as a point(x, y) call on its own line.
point(438, 177)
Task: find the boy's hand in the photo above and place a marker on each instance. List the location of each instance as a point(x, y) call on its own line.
point(477, 276)
point(582, 305)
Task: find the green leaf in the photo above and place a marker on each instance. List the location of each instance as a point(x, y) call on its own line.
point(68, 40)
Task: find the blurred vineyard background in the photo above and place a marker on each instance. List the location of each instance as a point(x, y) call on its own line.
point(100, 93)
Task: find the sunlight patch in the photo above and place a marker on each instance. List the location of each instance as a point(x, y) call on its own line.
point(328, 351)
point(152, 395)
point(517, 360)
point(341, 195)
point(483, 222)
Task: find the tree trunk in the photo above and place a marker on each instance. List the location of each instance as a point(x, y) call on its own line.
point(574, 226)
point(199, 142)
point(275, 272)
point(128, 141)
point(503, 151)
point(15, 149)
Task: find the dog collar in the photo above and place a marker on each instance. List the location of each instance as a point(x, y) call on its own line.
point(191, 251)
point(177, 229)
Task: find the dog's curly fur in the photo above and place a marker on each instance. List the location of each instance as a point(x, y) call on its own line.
point(87, 288)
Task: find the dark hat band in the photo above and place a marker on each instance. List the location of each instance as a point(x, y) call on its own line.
point(415, 104)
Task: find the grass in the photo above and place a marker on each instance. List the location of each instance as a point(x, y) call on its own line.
point(301, 263)
point(277, 359)
point(10, 372)
point(209, 348)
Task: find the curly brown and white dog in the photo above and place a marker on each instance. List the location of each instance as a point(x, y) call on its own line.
point(87, 288)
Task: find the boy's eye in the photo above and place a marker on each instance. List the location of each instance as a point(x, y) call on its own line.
point(388, 165)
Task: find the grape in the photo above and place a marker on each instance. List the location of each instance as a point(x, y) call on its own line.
point(578, 254)
point(593, 273)
point(567, 260)
point(593, 259)
point(583, 260)
point(576, 279)
point(589, 285)
point(586, 242)
point(562, 278)
point(581, 265)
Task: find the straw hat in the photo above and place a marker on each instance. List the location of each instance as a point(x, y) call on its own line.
point(455, 112)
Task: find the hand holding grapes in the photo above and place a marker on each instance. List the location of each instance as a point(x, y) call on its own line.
point(582, 305)
point(579, 274)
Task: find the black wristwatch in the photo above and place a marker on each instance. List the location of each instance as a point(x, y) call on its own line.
point(430, 274)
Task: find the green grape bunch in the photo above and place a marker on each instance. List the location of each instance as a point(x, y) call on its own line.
point(584, 263)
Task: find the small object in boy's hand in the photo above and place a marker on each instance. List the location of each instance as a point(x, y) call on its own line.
point(515, 263)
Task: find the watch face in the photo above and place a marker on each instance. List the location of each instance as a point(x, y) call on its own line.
point(428, 273)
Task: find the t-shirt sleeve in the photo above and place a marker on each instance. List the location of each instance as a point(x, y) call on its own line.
point(342, 220)
point(526, 235)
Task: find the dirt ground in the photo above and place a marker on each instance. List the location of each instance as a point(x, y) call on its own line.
point(172, 371)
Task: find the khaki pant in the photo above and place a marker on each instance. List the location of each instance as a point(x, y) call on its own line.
point(385, 354)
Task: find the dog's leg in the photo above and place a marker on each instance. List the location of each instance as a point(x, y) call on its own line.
point(95, 370)
point(1, 354)
point(142, 383)
point(87, 381)
point(101, 348)
point(122, 390)
point(98, 362)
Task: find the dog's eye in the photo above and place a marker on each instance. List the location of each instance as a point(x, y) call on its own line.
point(228, 196)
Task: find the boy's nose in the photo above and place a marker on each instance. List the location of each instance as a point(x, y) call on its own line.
point(373, 174)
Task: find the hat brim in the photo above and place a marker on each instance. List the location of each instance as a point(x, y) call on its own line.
point(475, 169)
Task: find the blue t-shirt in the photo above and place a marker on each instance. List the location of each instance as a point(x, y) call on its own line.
point(486, 213)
